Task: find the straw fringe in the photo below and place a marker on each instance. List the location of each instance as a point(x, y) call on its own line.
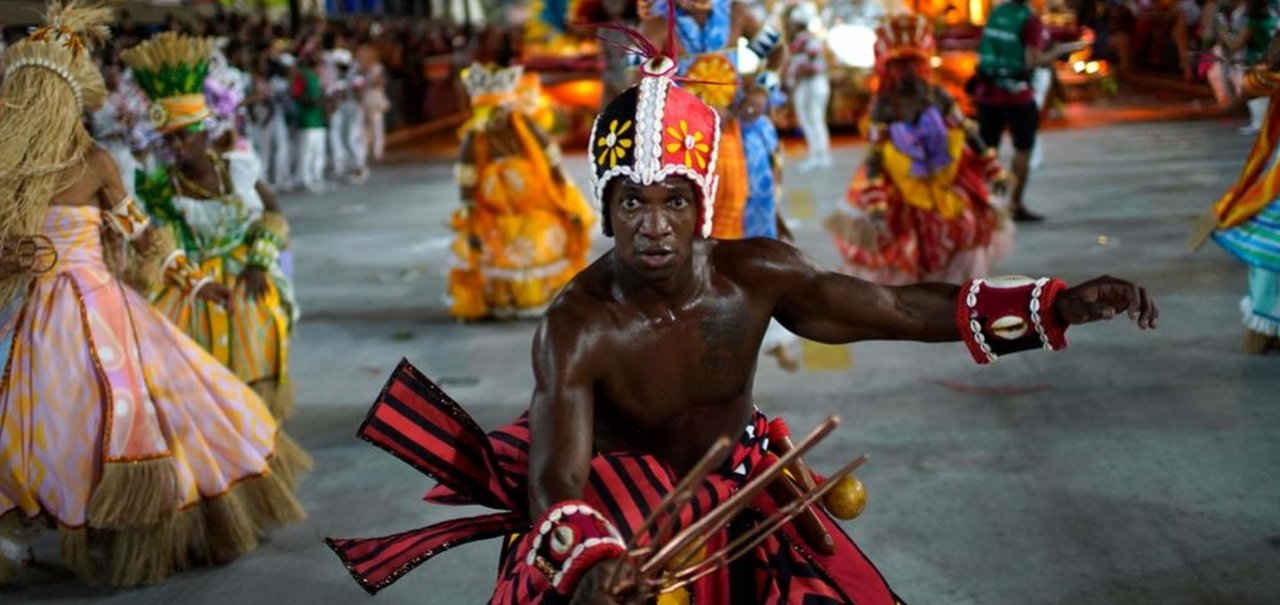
point(278, 395)
point(214, 531)
point(133, 494)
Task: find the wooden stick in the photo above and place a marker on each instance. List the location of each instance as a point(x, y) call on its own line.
point(697, 534)
point(747, 541)
point(672, 503)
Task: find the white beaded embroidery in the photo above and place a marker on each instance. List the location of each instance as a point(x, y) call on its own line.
point(1036, 305)
point(972, 302)
point(648, 168)
point(61, 70)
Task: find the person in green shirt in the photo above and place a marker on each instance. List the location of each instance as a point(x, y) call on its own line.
point(312, 124)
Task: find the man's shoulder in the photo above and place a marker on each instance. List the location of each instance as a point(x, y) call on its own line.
point(583, 298)
point(754, 258)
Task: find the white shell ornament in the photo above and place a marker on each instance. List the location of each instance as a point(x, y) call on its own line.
point(1009, 327)
point(562, 539)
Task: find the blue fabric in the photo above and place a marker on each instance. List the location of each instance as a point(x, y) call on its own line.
point(759, 143)
point(697, 40)
point(7, 316)
point(1256, 242)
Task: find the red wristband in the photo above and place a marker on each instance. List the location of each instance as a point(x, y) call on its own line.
point(571, 538)
point(1003, 315)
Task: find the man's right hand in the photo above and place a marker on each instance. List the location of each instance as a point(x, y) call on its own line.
point(594, 587)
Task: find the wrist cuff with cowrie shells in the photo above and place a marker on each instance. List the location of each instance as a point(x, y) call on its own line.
point(571, 538)
point(1002, 315)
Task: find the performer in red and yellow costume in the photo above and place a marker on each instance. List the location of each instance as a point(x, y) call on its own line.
point(919, 209)
point(523, 230)
point(143, 451)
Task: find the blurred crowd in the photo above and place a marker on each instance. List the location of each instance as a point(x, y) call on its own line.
point(315, 103)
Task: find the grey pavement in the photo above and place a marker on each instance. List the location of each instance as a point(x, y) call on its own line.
point(1133, 468)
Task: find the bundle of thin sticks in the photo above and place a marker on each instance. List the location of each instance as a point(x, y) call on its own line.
point(659, 558)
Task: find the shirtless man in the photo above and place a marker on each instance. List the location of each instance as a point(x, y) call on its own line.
point(648, 357)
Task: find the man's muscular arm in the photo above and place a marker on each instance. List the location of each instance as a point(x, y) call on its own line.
point(561, 416)
point(833, 308)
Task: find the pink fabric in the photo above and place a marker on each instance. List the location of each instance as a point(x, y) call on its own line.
point(97, 376)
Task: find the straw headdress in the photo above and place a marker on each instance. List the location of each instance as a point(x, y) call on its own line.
point(50, 80)
point(172, 68)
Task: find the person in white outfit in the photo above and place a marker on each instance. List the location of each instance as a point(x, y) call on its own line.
point(279, 137)
point(1227, 31)
point(350, 110)
point(308, 95)
point(807, 77)
point(337, 90)
point(374, 100)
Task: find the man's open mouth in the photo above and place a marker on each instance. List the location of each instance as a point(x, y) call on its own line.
point(657, 258)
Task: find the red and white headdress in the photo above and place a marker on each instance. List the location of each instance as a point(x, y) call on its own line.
point(904, 36)
point(655, 130)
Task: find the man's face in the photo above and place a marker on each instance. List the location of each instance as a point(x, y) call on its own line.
point(653, 225)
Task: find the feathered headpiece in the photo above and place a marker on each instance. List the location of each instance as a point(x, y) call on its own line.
point(655, 130)
point(904, 37)
point(171, 68)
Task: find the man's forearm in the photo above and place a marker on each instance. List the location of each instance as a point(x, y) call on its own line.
point(928, 311)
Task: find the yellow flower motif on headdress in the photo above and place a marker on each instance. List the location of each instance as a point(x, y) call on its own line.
point(613, 146)
point(695, 150)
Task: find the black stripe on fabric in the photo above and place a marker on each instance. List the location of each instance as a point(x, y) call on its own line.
point(637, 495)
point(606, 498)
point(658, 488)
point(466, 450)
point(511, 440)
point(457, 536)
point(423, 387)
point(444, 474)
point(382, 544)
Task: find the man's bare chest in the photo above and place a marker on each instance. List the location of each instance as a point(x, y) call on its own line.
point(700, 359)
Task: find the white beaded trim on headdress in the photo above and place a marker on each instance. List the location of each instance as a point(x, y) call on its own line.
point(61, 70)
point(648, 169)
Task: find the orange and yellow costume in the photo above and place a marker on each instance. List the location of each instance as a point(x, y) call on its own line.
point(524, 229)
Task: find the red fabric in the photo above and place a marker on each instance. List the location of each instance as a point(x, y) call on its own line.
point(625, 487)
point(994, 302)
point(1033, 33)
point(919, 242)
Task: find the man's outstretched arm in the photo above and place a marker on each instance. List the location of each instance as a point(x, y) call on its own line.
point(834, 308)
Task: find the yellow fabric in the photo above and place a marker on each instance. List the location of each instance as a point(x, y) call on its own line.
point(128, 388)
point(1259, 183)
point(524, 236)
point(933, 193)
point(172, 113)
point(253, 341)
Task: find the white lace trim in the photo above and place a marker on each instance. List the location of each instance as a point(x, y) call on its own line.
point(648, 168)
point(1258, 323)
